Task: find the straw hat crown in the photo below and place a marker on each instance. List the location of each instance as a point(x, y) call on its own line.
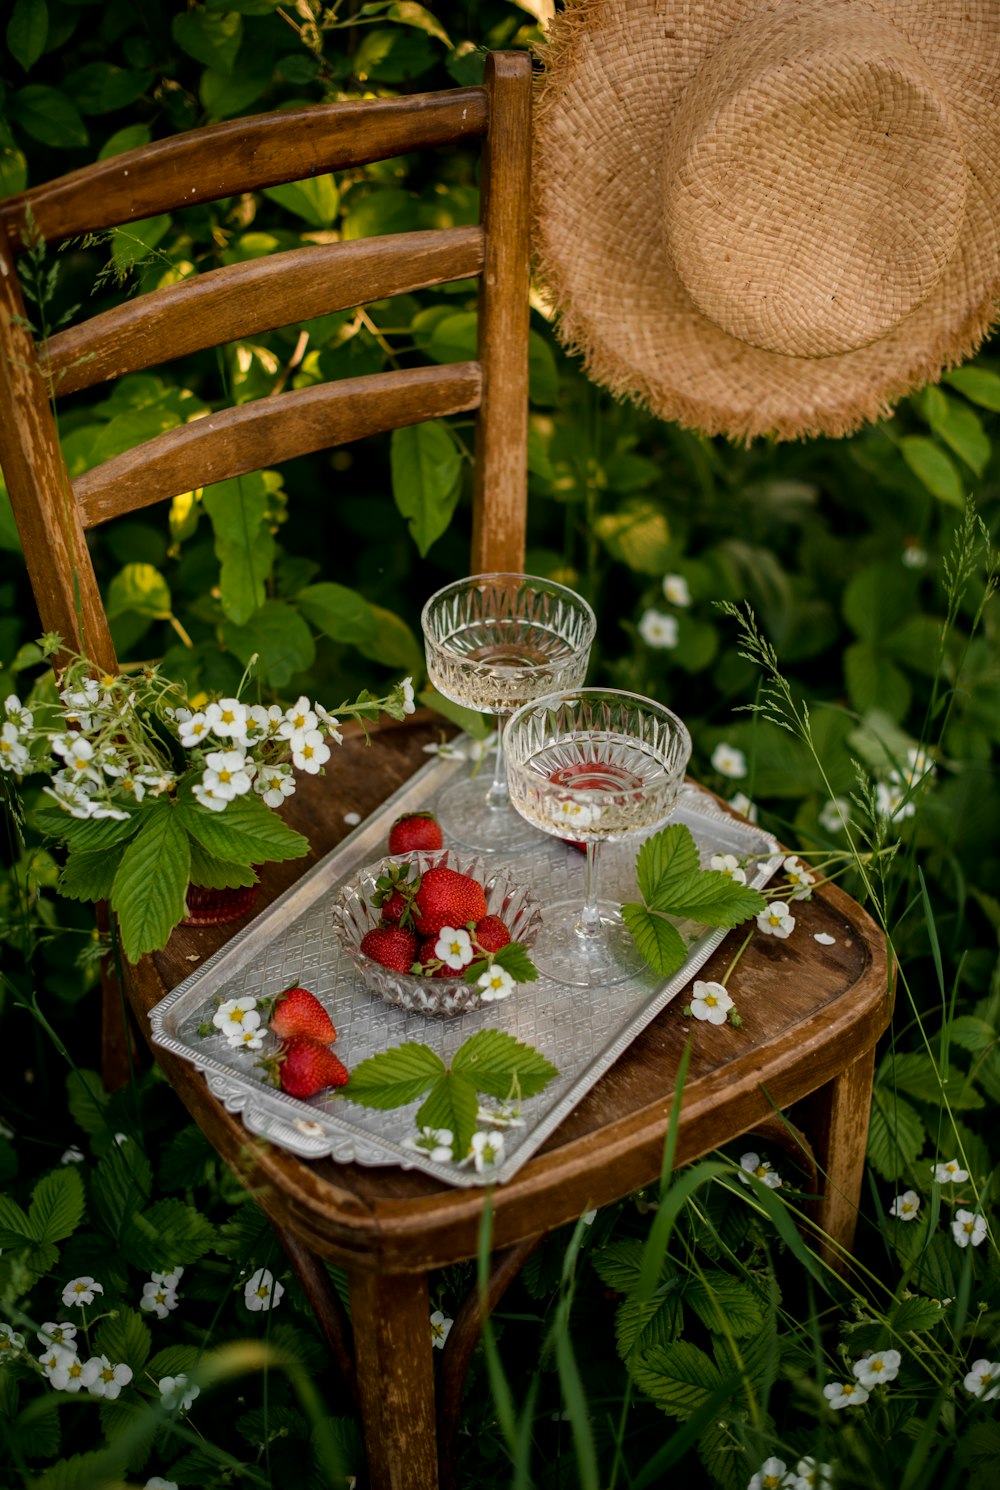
point(770, 216)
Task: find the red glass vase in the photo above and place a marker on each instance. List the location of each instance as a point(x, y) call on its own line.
point(206, 907)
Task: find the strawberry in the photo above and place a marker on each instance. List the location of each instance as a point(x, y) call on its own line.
point(447, 898)
point(299, 1012)
point(430, 962)
point(306, 1066)
point(395, 908)
point(414, 830)
point(491, 934)
point(392, 946)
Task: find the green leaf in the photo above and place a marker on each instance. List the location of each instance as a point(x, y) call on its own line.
point(971, 1033)
point(668, 859)
point(245, 832)
point(678, 1377)
point(87, 1100)
point(142, 588)
point(896, 1135)
point(121, 1186)
point(316, 200)
point(916, 1074)
point(125, 1337)
point(36, 1430)
point(13, 178)
point(210, 38)
point(129, 138)
point(934, 468)
point(642, 1325)
point(244, 544)
point(407, 13)
point(135, 426)
point(543, 376)
point(224, 94)
point(879, 598)
point(618, 1264)
point(713, 899)
point(95, 836)
point(386, 210)
point(340, 613)
point(57, 1205)
point(394, 1077)
point(426, 468)
point(721, 1301)
point(875, 682)
point(149, 887)
point(977, 384)
point(101, 87)
point(393, 56)
point(492, 1059)
point(513, 958)
point(451, 1103)
point(279, 637)
point(90, 876)
point(15, 1228)
point(636, 534)
point(959, 427)
point(27, 30)
point(218, 874)
point(49, 116)
point(915, 1314)
point(168, 1235)
point(395, 645)
point(658, 940)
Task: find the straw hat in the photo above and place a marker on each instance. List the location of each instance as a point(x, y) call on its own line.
point(770, 216)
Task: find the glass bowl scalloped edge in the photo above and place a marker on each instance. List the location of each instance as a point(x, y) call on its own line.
point(443, 998)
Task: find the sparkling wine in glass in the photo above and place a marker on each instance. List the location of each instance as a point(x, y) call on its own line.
point(597, 765)
point(494, 641)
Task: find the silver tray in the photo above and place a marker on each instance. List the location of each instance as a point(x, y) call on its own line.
point(294, 941)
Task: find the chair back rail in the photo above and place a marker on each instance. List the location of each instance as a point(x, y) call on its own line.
point(53, 513)
point(243, 300)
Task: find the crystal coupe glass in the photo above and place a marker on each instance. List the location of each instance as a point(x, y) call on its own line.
point(494, 641)
point(597, 765)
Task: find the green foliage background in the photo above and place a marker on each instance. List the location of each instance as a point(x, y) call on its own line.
point(321, 568)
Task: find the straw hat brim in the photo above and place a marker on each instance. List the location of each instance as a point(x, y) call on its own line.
point(619, 75)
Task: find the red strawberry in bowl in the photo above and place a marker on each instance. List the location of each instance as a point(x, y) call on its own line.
point(414, 830)
point(447, 898)
point(299, 1012)
point(491, 934)
point(393, 946)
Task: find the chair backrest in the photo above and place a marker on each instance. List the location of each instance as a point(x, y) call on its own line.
point(53, 512)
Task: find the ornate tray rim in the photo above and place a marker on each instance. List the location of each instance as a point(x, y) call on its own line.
point(312, 1133)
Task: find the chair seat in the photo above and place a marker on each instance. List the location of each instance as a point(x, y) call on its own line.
point(810, 1012)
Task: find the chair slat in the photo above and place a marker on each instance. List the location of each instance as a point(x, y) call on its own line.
point(242, 155)
point(269, 431)
point(242, 300)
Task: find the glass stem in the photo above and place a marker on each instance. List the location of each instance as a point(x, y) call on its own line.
point(589, 923)
point(498, 796)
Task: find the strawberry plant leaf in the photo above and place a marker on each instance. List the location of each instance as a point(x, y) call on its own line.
point(86, 836)
point(658, 940)
point(15, 1228)
point(90, 876)
point(395, 1077)
point(57, 1205)
point(245, 832)
point(493, 1060)
point(713, 899)
point(218, 874)
point(167, 1235)
point(149, 887)
point(513, 959)
point(124, 1337)
point(665, 861)
point(451, 1103)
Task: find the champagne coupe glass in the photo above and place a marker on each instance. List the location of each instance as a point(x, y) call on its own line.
point(599, 765)
point(494, 641)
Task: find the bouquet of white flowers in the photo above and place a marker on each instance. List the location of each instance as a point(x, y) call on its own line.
point(152, 793)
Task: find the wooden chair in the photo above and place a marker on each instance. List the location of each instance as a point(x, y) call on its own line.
point(811, 1016)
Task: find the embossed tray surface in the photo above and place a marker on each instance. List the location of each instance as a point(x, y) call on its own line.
point(581, 1032)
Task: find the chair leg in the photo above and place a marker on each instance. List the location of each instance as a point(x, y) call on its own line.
point(463, 1338)
point(325, 1304)
point(395, 1375)
point(838, 1117)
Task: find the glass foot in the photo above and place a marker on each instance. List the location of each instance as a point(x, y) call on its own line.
point(600, 958)
point(466, 815)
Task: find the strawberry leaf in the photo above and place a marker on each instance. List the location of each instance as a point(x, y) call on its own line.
point(666, 861)
point(245, 832)
point(149, 887)
point(658, 940)
point(90, 876)
point(452, 1103)
point(495, 1062)
point(713, 899)
point(513, 958)
point(395, 1077)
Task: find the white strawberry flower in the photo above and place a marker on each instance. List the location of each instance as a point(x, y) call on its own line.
point(485, 1151)
point(16, 712)
point(675, 589)
point(711, 1002)
point(171, 1279)
point(905, 1206)
point(157, 1299)
point(332, 724)
point(776, 920)
point(877, 1367)
point(238, 1039)
point(505, 1116)
point(440, 1328)
point(983, 1380)
point(81, 1291)
point(845, 1394)
point(968, 1229)
point(228, 772)
point(658, 629)
point(799, 878)
point(730, 866)
point(454, 947)
point(237, 1014)
point(262, 1291)
point(752, 1163)
point(742, 804)
point(14, 756)
point(836, 815)
point(177, 1393)
point(194, 729)
point(70, 797)
point(209, 798)
point(227, 718)
point(264, 724)
point(157, 1482)
point(78, 753)
point(729, 761)
point(950, 1172)
point(808, 1475)
point(772, 1475)
point(409, 706)
point(73, 1375)
point(109, 1380)
point(299, 719)
point(61, 1334)
point(57, 1358)
point(11, 1344)
point(274, 784)
point(437, 1143)
point(496, 983)
point(309, 750)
